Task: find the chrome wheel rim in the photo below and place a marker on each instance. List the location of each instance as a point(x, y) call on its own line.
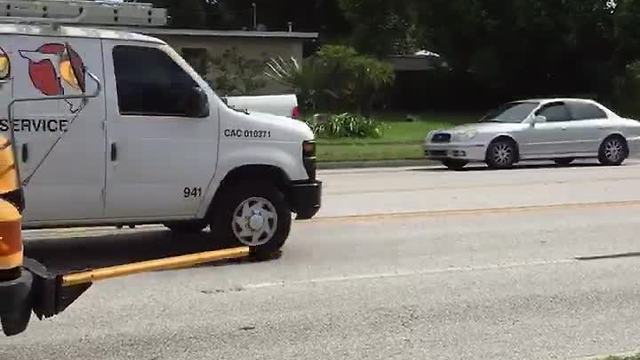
point(613, 150)
point(502, 154)
point(255, 221)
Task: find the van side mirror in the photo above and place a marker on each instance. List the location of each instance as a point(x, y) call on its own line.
point(198, 105)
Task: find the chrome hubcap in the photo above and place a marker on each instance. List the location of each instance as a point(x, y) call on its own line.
point(614, 150)
point(255, 221)
point(502, 154)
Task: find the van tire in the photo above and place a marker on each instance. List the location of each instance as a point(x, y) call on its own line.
point(266, 197)
point(186, 227)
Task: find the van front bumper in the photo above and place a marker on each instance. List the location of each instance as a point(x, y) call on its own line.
point(305, 198)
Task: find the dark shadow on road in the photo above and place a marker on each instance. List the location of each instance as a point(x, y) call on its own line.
point(80, 253)
point(480, 167)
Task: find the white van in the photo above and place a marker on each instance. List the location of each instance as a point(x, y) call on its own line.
point(155, 144)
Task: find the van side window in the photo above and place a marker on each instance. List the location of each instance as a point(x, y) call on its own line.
point(150, 83)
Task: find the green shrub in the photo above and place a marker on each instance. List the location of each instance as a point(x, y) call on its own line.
point(626, 92)
point(347, 126)
point(336, 78)
point(235, 75)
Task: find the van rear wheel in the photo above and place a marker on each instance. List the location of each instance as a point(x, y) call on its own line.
point(254, 215)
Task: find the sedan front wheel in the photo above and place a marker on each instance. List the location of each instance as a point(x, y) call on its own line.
point(501, 154)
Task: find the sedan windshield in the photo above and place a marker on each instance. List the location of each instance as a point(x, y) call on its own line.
point(514, 112)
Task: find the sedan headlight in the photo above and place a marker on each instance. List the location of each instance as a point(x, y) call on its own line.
point(429, 136)
point(467, 135)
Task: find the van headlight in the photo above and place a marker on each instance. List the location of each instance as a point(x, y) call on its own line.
point(309, 158)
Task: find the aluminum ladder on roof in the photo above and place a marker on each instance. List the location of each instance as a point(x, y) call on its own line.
point(81, 12)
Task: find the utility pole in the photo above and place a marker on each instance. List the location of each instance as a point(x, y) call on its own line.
point(255, 16)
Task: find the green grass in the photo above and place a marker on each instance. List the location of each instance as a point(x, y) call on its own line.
point(369, 152)
point(401, 140)
point(631, 357)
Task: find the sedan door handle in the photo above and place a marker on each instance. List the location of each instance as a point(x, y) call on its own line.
point(114, 152)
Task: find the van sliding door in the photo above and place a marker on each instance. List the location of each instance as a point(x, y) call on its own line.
point(68, 187)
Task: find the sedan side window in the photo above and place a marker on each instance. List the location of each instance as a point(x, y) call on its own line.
point(586, 111)
point(555, 112)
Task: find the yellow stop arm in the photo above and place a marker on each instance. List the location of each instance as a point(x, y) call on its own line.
point(11, 250)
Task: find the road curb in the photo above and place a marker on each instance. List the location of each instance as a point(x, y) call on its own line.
point(373, 164)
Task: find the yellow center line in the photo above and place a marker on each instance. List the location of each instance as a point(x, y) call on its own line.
point(481, 186)
point(478, 211)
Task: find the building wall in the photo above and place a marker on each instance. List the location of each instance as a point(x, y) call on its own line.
point(250, 48)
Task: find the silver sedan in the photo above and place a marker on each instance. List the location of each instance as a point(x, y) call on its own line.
point(544, 129)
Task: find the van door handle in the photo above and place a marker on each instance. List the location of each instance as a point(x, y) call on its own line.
point(114, 152)
point(25, 153)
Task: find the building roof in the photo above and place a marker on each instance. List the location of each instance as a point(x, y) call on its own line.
point(413, 62)
point(220, 33)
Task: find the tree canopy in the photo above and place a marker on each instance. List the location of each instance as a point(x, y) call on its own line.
point(514, 48)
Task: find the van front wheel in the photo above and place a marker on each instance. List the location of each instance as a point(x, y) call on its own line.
point(254, 215)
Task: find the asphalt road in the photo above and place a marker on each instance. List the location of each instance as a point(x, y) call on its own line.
point(409, 263)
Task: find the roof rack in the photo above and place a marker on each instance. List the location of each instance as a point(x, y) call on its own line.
point(83, 12)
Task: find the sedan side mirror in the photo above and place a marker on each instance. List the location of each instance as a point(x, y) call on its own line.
point(538, 119)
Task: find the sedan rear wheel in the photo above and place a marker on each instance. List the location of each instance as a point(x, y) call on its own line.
point(613, 151)
point(501, 154)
